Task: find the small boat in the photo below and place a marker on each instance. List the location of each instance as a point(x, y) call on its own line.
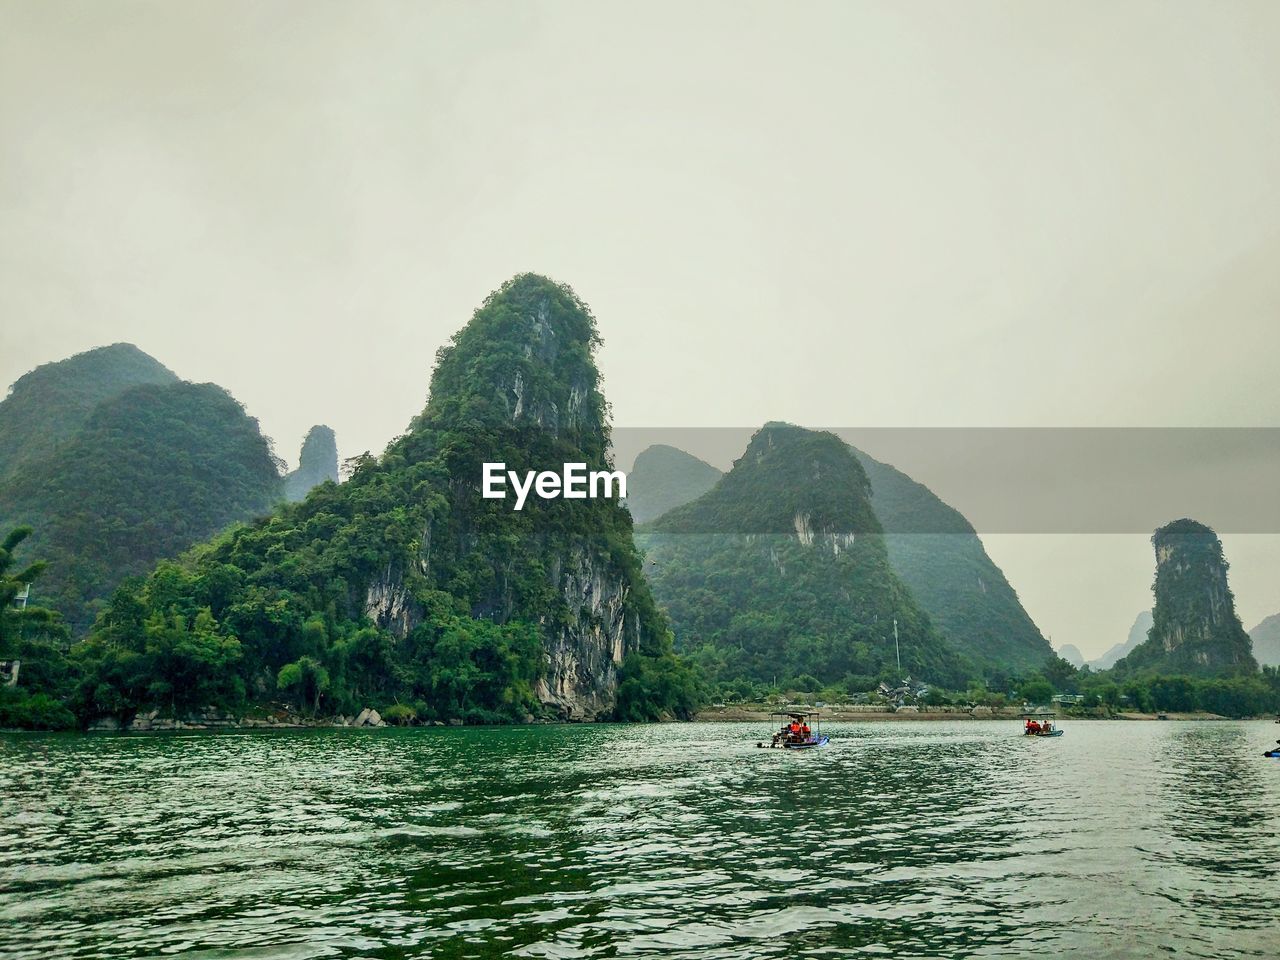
point(795, 732)
point(1035, 727)
point(1273, 752)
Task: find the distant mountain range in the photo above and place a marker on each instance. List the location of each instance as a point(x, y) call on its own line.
point(1137, 634)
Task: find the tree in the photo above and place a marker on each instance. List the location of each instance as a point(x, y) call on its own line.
point(12, 620)
point(1037, 691)
point(307, 678)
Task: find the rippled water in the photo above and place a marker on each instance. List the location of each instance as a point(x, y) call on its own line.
point(915, 839)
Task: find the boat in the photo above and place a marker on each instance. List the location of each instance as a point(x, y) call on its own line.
point(1273, 752)
point(783, 739)
point(1043, 728)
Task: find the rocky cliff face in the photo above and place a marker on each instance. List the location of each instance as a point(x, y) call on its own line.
point(317, 463)
point(519, 385)
point(1194, 624)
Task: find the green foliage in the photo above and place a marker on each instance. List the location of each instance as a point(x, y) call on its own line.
point(1062, 675)
point(657, 688)
point(1237, 696)
point(52, 402)
point(35, 637)
point(33, 711)
point(1036, 691)
point(400, 715)
point(306, 678)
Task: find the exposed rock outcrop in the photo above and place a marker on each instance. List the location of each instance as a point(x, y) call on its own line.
point(1194, 626)
point(519, 385)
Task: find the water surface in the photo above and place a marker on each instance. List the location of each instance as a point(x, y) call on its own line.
point(918, 839)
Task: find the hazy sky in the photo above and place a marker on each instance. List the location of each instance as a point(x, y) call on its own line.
point(864, 214)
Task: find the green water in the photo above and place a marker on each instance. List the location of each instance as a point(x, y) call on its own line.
point(906, 840)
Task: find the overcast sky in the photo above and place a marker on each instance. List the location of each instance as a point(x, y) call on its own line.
point(861, 214)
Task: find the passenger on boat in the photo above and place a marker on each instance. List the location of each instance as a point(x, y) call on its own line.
point(1033, 726)
point(795, 730)
point(804, 731)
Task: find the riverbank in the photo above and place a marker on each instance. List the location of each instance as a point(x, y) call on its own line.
point(737, 713)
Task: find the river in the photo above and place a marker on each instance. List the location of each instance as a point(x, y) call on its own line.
point(920, 839)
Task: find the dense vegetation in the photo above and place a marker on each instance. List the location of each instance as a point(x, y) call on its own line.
point(149, 471)
point(1195, 629)
point(663, 478)
point(1109, 692)
point(936, 552)
point(779, 576)
point(403, 588)
point(36, 638)
point(52, 402)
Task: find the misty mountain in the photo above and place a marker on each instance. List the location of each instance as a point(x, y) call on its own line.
point(317, 462)
point(1266, 641)
point(1137, 634)
point(50, 403)
point(1071, 653)
point(663, 478)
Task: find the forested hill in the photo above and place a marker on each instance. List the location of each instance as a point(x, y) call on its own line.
point(779, 574)
point(936, 552)
point(1195, 629)
point(150, 471)
point(402, 587)
point(663, 478)
point(931, 547)
point(53, 401)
